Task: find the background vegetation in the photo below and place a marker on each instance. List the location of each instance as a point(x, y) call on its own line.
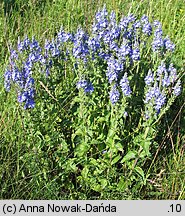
point(32, 159)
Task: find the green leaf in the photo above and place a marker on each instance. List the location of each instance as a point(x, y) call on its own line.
point(119, 146)
point(78, 132)
point(93, 162)
point(101, 137)
point(140, 171)
point(146, 146)
point(85, 172)
point(115, 160)
point(144, 143)
point(101, 119)
point(82, 149)
point(130, 155)
point(70, 165)
point(111, 134)
point(103, 183)
point(122, 184)
point(97, 187)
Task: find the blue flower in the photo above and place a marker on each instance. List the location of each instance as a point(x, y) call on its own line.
point(27, 65)
point(55, 52)
point(27, 94)
point(125, 49)
point(115, 33)
point(136, 25)
point(144, 19)
point(177, 88)
point(114, 46)
point(84, 84)
point(113, 69)
point(43, 59)
point(101, 17)
point(152, 92)
point(16, 74)
point(81, 84)
point(169, 45)
point(80, 48)
point(103, 55)
point(29, 103)
point(13, 54)
point(146, 26)
point(34, 56)
point(26, 42)
point(112, 18)
point(159, 102)
point(161, 69)
point(48, 45)
point(23, 45)
point(22, 96)
point(114, 94)
point(29, 83)
point(7, 79)
point(172, 73)
point(34, 45)
point(112, 74)
point(125, 114)
point(124, 22)
point(107, 37)
point(149, 79)
point(80, 51)
point(63, 36)
point(47, 71)
point(166, 80)
point(158, 42)
point(47, 66)
point(157, 24)
point(136, 54)
point(80, 36)
point(124, 84)
point(154, 97)
point(93, 44)
point(147, 29)
point(89, 88)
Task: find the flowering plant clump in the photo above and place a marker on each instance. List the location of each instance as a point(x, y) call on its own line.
point(123, 82)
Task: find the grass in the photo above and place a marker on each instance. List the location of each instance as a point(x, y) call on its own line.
point(26, 179)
